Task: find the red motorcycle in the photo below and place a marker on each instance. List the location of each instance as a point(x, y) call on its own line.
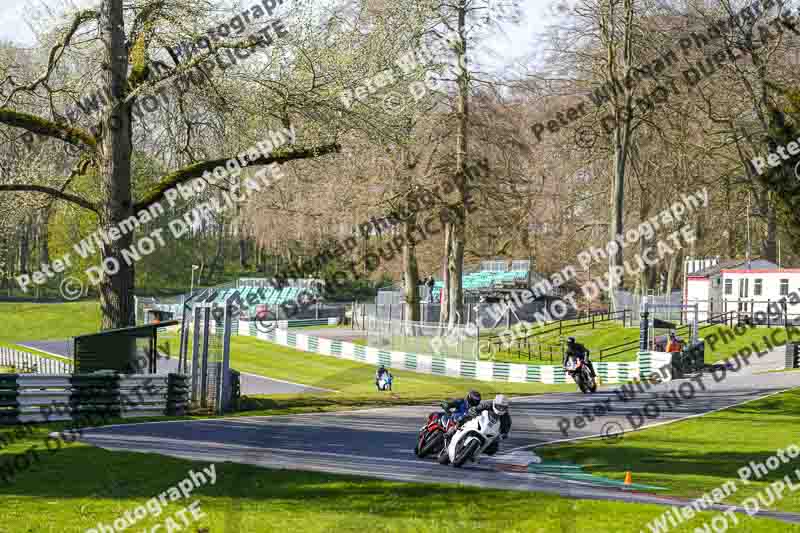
point(431, 435)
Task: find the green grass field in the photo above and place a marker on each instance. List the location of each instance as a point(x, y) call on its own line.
point(694, 456)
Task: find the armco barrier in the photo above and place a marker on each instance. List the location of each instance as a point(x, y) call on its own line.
point(792, 355)
point(45, 398)
point(609, 372)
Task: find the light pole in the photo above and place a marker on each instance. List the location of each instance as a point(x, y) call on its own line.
point(191, 287)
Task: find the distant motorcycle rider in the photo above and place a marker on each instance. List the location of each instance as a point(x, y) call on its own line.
point(379, 374)
point(578, 351)
point(498, 406)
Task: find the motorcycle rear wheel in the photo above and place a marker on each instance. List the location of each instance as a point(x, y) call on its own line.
point(430, 444)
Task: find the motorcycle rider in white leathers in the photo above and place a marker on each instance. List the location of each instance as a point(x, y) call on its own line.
point(499, 406)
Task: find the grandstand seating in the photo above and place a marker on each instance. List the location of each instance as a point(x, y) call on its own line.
point(264, 295)
point(483, 279)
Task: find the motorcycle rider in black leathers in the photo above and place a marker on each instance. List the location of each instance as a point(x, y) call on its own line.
point(579, 351)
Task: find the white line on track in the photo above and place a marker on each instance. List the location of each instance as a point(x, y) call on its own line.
point(288, 382)
point(45, 351)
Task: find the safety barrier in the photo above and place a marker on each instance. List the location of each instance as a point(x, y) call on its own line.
point(647, 364)
point(285, 324)
point(28, 363)
point(44, 398)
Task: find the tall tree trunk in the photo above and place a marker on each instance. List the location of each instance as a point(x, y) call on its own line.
point(457, 222)
point(241, 238)
point(44, 236)
point(410, 271)
point(218, 263)
point(4, 263)
point(117, 283)
point(645, 244)
point(769, 247)
point(674, 261)
point(24, 245)
point(622, 129)
point(444, 313)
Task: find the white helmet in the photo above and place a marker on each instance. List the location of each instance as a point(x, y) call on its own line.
point(500, 404)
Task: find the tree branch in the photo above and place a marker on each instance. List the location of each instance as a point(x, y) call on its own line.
point(196, 170)
point(55, 54)
point(47, 128)
point(22, 187)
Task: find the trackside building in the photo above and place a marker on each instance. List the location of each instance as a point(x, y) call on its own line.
point(746, 289)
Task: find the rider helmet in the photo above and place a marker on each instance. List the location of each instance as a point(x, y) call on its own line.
point(500, 405)
point(473, 398)
point(570, 340)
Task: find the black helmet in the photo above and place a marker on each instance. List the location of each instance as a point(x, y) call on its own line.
point(570, 340)
point(473, 398)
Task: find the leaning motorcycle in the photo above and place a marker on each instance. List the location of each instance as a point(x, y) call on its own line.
point(431, 438)
point(577, 370)
point(472, 439)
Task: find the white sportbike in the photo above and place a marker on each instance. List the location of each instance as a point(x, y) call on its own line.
point(472, 439)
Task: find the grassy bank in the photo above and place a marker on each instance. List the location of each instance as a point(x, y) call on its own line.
point(612, 334)
point(29, 321)
point(354, 381)
point(694, 456)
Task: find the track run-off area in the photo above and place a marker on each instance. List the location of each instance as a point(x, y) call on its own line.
point(379, 442)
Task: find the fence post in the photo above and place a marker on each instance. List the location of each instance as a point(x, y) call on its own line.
point(768, 313)
point(592, 320)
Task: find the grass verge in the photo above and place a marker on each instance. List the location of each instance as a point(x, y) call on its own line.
point(694, 456)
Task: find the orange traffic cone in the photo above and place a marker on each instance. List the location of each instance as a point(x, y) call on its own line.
point(628, 478)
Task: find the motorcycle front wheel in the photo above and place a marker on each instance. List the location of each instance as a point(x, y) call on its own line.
point(444, 456)
point(465, 453)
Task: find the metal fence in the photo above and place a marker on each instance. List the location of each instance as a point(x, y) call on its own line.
point(28, 363)
point(459, 342)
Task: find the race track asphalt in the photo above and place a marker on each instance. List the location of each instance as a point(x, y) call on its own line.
point(379, 442)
